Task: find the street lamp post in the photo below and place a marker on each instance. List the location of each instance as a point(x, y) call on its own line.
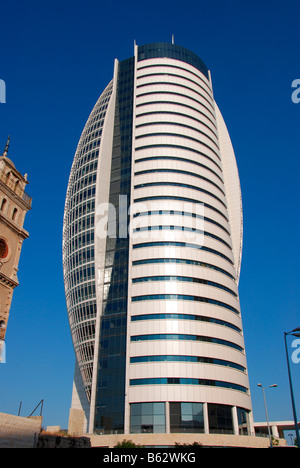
point(263, 389)
point(296, 333)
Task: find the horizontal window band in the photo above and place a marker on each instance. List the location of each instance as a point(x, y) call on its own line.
point(179, 85)
point(172, 93)
point(200, 318)
point(181, 358)
point(177, 184)
point(187, 381)
point(179, 171)
point(178, 135)
point(175, 158)
point(160, 51)
point(179, 114)
point(148, 261)
point(181, 147)
point(180, 244)
point(182, 337)
point(180, 213)
point(185, 199)
point(182, 229)
point(175, 75)
point(186, 106)
point(176, 67)
point(183, 297)
point(188, 279)
point(178, 124)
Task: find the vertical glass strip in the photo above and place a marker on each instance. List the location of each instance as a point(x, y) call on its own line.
point(109, 411)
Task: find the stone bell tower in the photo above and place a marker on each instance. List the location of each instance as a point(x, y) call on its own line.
point(14, 204)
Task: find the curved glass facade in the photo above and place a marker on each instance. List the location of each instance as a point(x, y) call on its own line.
point(78, 241)
point(157, 328)
point(164, 49)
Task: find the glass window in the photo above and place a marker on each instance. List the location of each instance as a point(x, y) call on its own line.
point(190, 279)
point(147, 408)
point(182, 147)
point(170, 336)
point(186, 408)
point(178, 244)
point(161, 49)
point(243, 421)
point(177, 158)
point(147, 417)
point(177, 184)
point(220, 419)
point(186, 417)
point(159, 419)
point(200, 318)
point(159, 408)
point(183, 297)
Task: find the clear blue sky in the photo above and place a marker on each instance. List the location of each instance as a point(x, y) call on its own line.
point(56, 57)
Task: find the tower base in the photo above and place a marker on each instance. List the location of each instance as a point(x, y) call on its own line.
point(169, 440)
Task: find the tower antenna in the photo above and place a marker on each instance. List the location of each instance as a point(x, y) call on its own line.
point(172, 38)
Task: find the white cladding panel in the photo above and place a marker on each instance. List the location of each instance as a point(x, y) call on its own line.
point(182, 157)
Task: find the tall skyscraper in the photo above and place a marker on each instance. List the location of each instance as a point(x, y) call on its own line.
point(14, 204)
point(152, 245)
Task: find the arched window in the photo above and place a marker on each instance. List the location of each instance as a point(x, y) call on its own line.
point(14, 215)
point(3, 204)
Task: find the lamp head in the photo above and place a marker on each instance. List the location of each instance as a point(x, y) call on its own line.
point(269, 386)
point(295, 332)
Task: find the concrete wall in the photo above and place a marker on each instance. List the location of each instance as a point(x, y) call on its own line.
point(213, 440)
point(19, 432)
point(76, 422)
